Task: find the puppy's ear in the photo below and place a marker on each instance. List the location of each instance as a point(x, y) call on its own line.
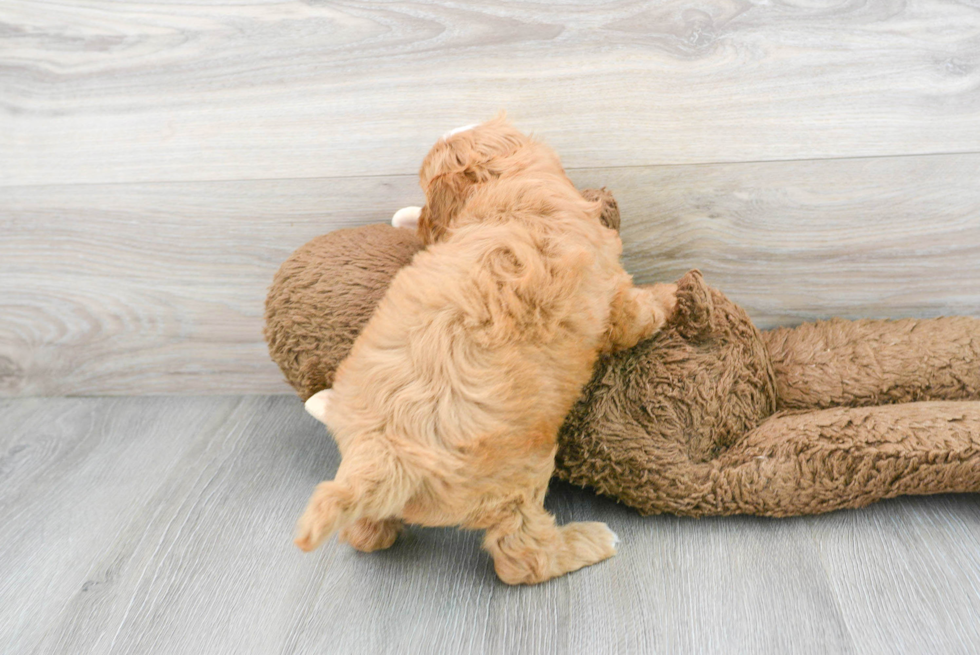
point(426, 230)
point(444, 198)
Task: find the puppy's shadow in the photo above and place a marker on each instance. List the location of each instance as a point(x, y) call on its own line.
point(568, 503)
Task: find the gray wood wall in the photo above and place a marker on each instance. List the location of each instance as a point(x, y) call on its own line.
point(158, 161)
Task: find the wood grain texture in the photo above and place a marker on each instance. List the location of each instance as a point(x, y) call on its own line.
point(159, 288)
point(81, 480)
point(798, 241)
point(162, 525)
point(101, 91)
point(931, 547)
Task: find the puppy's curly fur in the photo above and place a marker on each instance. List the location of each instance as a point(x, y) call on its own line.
point(447, 409)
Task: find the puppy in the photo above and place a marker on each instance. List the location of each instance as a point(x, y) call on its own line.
point(447, 409)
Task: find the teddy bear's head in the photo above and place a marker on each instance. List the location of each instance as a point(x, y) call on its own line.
point(654, 415)
point(324, 294)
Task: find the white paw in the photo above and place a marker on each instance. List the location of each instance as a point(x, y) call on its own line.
point(458, 130)
point(407, 217)
point(615, 538)
point(319, 404)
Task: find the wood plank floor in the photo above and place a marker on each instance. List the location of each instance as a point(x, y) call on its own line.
point(162, 525)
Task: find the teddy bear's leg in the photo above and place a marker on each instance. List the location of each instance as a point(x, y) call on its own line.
point(368, 536)
point(637, 313)
point(527, 547)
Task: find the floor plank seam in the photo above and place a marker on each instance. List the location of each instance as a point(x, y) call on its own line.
point(570, 169)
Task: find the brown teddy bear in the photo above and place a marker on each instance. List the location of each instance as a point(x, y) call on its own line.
point(710, 416)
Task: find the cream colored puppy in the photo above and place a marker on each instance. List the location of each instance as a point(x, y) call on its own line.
point(446, 411)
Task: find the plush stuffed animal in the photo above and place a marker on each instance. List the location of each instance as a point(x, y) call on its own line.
point(710, 416)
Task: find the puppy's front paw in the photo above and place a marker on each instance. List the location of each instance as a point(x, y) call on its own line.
point(665, 296)
point(308, 534)
point(589, 543)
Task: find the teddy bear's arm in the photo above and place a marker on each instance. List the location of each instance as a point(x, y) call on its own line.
point(874, 362)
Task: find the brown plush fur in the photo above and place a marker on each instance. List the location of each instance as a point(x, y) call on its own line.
point(447, 408)
point(323, 295)
point(859, 363)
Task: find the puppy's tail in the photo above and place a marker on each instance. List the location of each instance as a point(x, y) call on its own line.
point(372, 482)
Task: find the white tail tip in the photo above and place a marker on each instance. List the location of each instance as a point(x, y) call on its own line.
point(407, 217)
point(318, 405)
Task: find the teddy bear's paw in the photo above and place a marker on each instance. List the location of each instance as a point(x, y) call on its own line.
point(692, 318)
point(407, 217)
point(457, 130)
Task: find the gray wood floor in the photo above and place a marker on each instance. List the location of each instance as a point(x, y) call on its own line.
point(162, 525)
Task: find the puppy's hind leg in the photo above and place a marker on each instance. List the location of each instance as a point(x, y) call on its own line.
point(368, 536)
point(637, 313)
point(528, 548)
point(371, 484)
